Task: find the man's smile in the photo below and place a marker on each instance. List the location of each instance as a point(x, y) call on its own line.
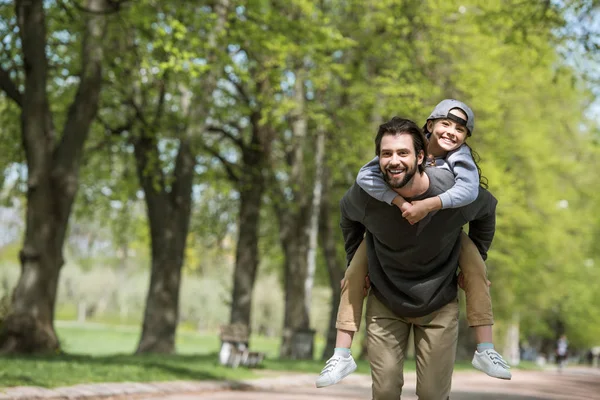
point(395, 171)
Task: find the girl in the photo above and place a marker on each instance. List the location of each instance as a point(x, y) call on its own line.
point(447, 128)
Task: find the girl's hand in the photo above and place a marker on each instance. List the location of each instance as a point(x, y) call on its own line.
point(416, 212)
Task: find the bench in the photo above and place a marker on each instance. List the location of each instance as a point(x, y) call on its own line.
point(234, 347)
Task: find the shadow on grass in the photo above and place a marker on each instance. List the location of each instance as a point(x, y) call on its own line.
point(68, 369)
point(72, 369)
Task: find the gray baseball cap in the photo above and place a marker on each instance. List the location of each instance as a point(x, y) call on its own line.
point(442, 110)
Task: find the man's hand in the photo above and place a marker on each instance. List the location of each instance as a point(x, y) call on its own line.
point(461, 281)
point(416, 212)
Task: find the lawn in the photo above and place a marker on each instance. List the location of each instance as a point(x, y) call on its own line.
point(103, 353)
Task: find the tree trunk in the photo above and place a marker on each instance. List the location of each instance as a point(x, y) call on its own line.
point(169, 217)
point(329, 241)
point(313, 228)
point(53, 174)
point(246, 256)
point(295, 247)
point(294, 222)
point(169, 212)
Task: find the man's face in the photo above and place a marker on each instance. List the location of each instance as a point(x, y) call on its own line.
point(397, 159)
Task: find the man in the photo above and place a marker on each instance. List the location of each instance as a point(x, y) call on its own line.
point(562, 346)
point(412, 268)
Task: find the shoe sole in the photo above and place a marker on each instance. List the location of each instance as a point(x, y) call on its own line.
point(476, 366)
point(345, 373)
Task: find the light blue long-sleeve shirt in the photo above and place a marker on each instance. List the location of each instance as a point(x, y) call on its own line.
point(459, 162)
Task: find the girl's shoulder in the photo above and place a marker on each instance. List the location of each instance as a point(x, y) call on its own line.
point(463, 153)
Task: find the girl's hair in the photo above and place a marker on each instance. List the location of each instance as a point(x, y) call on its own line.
point(483, 181)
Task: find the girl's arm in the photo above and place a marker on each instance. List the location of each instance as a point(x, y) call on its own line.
point(371, 181)
point(466, 179)
point(464, 191)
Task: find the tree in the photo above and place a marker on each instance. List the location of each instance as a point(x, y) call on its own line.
point(167, 113)
point(53, 163)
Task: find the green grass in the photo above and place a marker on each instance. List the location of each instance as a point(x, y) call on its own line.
point(64, 370)
point(104, 339)
point(104, 353)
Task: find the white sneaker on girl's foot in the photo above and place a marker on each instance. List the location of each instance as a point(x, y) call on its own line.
point(336, 369)
point(492, 363)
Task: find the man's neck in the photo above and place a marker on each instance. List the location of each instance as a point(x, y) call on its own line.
point(416, 187)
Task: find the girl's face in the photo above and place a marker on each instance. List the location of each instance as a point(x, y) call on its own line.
point(447, 135)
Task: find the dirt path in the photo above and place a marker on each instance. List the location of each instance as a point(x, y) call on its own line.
point(572, 384)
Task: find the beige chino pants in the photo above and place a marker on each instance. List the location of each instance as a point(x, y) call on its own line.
point(435, 338)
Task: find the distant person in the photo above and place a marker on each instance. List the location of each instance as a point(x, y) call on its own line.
point(412, 268)
point(562, 349)
point(447, 133)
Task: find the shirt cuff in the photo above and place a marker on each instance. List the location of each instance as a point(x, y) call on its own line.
point(389, 196)
point(446, 200)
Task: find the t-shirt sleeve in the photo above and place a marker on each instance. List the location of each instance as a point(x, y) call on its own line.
point(352, 209)
point(466, 179)
point(369, 178)
point(482, 225)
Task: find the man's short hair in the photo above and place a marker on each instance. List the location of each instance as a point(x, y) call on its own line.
point(397, 126)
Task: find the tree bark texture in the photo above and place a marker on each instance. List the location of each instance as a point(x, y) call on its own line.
point(252, 186)
point(53, 173)
point(294, 222)
point(334, 259)
point(256, 155)
point(169, 212)
point(169, 216)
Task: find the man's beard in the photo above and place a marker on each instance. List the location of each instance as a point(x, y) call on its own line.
point(408, 175)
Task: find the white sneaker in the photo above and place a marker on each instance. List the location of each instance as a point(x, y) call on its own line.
point(492, 363)
point(336, 369)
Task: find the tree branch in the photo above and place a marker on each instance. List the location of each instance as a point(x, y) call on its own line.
point(9, 87)
point(217, 129)
point(240, 89)
point(84, 108)
point(116, 131)
point(229, 167)
point(161, 100)
point(139, 114)
point(181, 188)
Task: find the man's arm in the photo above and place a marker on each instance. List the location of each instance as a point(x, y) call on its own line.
point(353, 212)
point(482, 226)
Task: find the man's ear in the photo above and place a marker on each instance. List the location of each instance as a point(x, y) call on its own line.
point(420, 157)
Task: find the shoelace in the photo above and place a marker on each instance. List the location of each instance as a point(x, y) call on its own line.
point(330, 364)
point(497, 358)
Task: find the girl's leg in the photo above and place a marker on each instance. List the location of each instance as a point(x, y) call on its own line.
point(341, 364)
point(479, 310)
point(352, 297)
point(479, 301)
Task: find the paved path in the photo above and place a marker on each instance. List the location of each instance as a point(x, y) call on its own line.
point(572, 384)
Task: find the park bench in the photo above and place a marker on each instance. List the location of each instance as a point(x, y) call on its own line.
point(234, 347)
